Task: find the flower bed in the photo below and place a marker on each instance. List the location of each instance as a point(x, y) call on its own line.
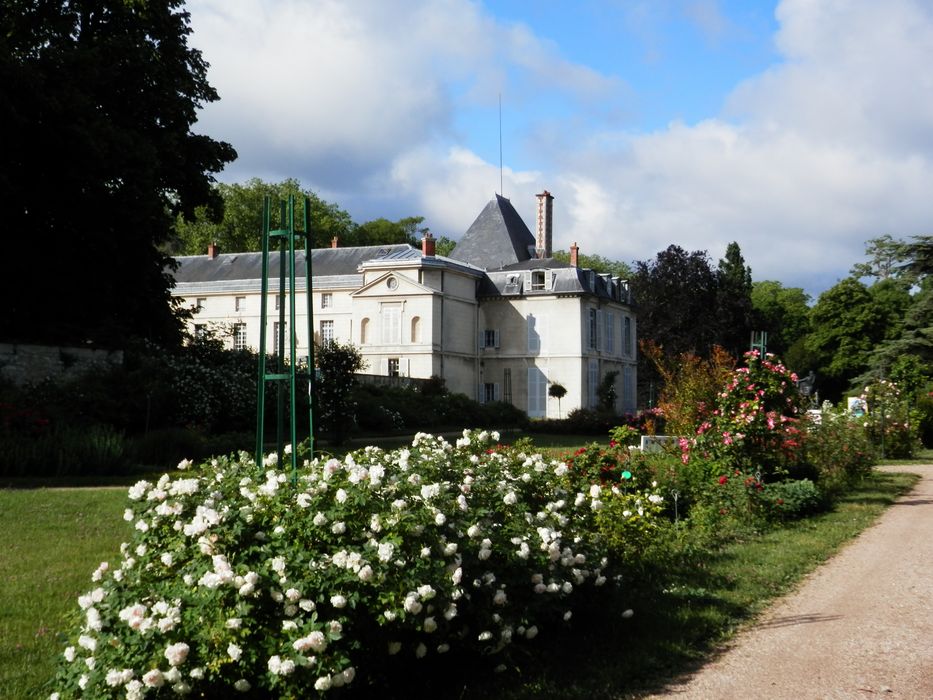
point(239, 582)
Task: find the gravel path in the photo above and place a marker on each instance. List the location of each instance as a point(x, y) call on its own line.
point(861, 626)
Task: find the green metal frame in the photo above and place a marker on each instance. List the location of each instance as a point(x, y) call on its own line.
point(285, 375)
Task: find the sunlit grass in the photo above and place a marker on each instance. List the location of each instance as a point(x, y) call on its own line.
point(52, 541)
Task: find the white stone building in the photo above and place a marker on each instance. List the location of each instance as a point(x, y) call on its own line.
point(498, 320)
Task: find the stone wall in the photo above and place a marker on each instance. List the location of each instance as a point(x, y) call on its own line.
point(25, 364)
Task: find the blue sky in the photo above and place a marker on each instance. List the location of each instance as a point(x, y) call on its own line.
point(798, 128)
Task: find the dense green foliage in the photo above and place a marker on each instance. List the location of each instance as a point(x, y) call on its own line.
point(616, 268)
point(101, 97)
point(338, 364)
point(240, 229)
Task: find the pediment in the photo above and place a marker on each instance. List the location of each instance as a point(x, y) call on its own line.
point(392, 285)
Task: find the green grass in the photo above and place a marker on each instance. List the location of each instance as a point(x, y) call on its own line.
point(924, 456)
point(52, 542)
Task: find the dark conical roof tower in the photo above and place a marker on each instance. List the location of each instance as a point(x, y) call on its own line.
point(497, 238)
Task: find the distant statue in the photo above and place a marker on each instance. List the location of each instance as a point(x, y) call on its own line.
point(806, 385)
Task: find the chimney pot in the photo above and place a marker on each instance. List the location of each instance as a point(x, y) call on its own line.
point(212, 250)
point(574, 255)
point(333, 242)
point(428, 245)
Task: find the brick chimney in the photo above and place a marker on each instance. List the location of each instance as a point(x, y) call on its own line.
point(333, 242)
point(428, 245)
point(213, 250)
point(574, 254)
point(544, 226)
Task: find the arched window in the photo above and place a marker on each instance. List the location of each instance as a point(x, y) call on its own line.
point(364, 331)
point(416, 329)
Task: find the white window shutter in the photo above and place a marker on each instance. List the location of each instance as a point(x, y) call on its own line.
point(495, 392)
point(384, 367)
point(496, 333)
point(548, 279)
point(482, 339)
point(527, 281)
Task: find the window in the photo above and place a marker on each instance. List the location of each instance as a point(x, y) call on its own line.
point(416, 329)
point(239, 336)
point(391, 324)
point(609, 334)
point(627, 336)
point(392, 283)
point(593, 330)
point(327, 331)
point(537, 280)
point(490, 392)
point(275, 338)
point(628, 389)
point(513, 284)
point(200, 330)
point(534, 334)
point(393, 367)
point(239, 304)
point(199, 304)
point(278, 301)
point(489, 338)
point(592, 383)
point(537, 393)
point(327, 300)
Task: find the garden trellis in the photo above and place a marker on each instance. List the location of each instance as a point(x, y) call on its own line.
point(285, 373)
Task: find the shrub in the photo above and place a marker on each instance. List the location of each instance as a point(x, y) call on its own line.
point(754, 425)
point(838, 448)
point(63, 451)
point(691, 385)
point(237, 581)
point(793, 499)
point(890, 425)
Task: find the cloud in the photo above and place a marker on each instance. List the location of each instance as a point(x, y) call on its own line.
point(341, 90)
point(809, 160)
point(827, 148)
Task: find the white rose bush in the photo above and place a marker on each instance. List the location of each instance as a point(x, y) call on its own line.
point(240, 583)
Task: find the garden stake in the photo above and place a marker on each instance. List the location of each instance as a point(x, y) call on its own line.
point(285, 374)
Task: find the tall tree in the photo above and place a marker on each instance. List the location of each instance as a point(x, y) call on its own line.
point(97, 102)
point(884, 253)
point(240, 229)
point(915, 337)
point(847, 324)
point(616, 268)
point(384, 232)
point(783, 312)
point(734, 301)
point(675, 294)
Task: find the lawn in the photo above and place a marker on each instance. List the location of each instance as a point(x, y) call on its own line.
point(54, 538)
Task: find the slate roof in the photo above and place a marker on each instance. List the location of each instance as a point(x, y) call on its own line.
point(565, 280)
point(325, 262)
point(497, 238)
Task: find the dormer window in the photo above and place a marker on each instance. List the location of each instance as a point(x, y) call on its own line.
point(538, 280)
